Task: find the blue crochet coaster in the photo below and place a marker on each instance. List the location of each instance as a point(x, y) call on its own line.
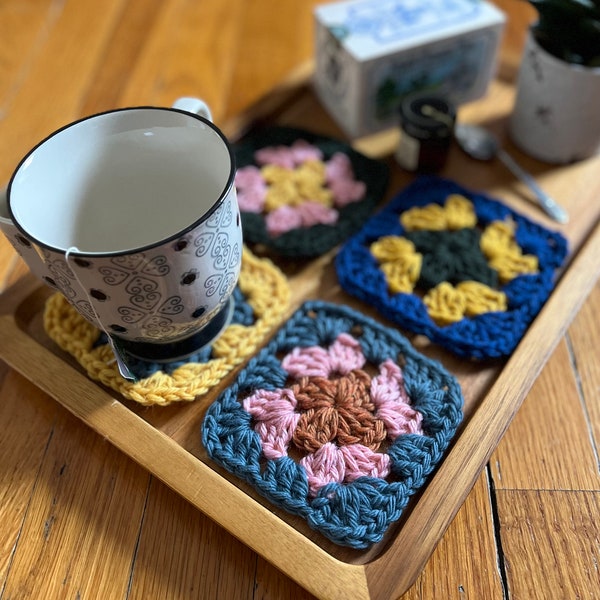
point(338, 419)
point(454, 265)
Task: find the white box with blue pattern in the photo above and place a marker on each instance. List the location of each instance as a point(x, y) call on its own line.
point(370, 54)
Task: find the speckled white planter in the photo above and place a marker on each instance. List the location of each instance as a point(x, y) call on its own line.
point(556, 117)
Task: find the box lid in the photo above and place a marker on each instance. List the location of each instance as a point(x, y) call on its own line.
point(371, 28)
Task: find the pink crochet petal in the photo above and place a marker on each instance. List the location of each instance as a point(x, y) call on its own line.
point(266, 405)
point(307, 362)
point(347, 191)
point(360, 461)
point(303, 151)
point(252, 199)
point(388, 385)
point(389, 396)
point(283, 219)
point(276, 420)
point(345, 354)
point(281, 156)
point(249, 176)
point(276, 435)
point(314, 213)
point(399, 419)
point(338, 167)
point(325, 466)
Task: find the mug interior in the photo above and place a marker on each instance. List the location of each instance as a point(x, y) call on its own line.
point(121, 181)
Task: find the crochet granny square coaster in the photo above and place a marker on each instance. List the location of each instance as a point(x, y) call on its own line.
point(300, 194)
point(261, 300)
point(459, 267)
point(338, 419)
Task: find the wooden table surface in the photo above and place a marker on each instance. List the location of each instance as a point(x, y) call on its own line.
point(80, 520)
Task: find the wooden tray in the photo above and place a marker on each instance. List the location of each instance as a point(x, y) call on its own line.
point(166, 440)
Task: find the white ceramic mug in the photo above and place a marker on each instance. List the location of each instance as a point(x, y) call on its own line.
point(132, 214)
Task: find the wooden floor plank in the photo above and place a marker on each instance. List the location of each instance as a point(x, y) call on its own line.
point(250, 82)
point(583, 336)
point(190, 54)
point(453, 573)
point(81, 531)
point(534, 434)
point(472, 575)
point(272, 584)
point(540, 529)
point(183, 554)
point(58, 75)
point(22, 448)
point(21, 44)
point(123, 48)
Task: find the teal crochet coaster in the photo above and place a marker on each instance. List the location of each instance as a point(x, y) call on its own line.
point(338, 419)
point(300, 193)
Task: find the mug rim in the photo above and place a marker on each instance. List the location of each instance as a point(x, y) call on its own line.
point(138, 249)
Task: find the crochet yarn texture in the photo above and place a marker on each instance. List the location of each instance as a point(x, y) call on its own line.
point(287, 156)
point(454, 265)
point(338, 419)
point(261, 300)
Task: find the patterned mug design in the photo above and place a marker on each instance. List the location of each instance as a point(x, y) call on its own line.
point(164, 291)
point(152, 296)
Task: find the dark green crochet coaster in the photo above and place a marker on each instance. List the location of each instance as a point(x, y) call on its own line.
point(306, 241)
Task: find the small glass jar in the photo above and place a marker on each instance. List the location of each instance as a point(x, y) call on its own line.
point(426, 131)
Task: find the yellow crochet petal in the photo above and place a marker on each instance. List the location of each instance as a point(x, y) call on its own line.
point(309, 190)
point(310, 170)
point(460, 213)
point(402, 274)
point(445, 304)
point(431, 217)
point(282, 193)
point(498, 238)
point(504, 254)
point(267, 292)
point(511, 265)
point(481, 299)
point(391, 247)
point(276, 174)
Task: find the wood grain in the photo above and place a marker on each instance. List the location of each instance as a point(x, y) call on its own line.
point(540, 530)
point(583, 342)
point(102, 526)
point(555, 401)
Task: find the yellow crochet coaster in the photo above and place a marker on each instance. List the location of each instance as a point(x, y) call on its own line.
point(266, 295)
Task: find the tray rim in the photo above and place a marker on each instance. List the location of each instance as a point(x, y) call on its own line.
point(285, 547)
point(281, 544)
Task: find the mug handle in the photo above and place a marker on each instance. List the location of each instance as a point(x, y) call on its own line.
point(193, 105)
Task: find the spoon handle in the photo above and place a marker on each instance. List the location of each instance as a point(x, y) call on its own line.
point(557, 212)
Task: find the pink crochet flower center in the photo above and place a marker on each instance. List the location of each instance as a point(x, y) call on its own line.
point(279, 417)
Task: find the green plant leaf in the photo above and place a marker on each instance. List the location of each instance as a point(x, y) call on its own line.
point(569, 29)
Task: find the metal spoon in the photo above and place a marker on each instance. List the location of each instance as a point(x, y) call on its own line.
point(483, 145)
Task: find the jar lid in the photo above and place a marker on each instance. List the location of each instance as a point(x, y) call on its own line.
point(428, 115)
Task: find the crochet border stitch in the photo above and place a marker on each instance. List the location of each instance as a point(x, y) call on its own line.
point(490, 335)
point(353, 513)
point(262, 298)
point(308, 242)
